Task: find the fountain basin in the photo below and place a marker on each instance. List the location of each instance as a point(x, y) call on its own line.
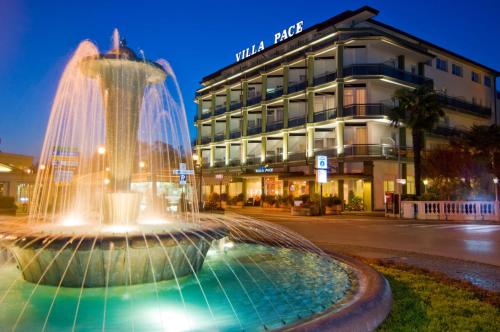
point(111, 255)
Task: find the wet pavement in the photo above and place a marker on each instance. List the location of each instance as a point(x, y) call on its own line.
point(460, 250)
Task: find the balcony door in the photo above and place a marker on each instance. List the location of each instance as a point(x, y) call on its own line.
point(355, 97)
point(361, 141)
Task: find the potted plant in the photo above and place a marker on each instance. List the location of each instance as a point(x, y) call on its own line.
point(333, 205)
point(8, 205)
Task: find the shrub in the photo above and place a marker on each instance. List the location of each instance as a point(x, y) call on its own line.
point(333, 200)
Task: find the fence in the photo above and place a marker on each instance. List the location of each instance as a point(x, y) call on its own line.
point(451, 210)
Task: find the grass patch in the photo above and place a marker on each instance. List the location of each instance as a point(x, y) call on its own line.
point(426, 302)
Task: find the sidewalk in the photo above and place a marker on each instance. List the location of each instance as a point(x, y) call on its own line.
point(482, 275)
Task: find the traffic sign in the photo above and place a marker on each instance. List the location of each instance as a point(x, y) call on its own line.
point(321, 176)
point(321, 162)
point(183, 172)
point(182, 179)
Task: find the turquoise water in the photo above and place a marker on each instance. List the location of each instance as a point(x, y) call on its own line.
point(246, 287)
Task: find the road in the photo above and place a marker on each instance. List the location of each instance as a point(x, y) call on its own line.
point(471, 242)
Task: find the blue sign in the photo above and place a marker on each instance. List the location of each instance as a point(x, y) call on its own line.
point(321, 162)
point(182, 179)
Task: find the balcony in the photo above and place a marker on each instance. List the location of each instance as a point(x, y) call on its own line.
point(253, 160)
point(464, 105)
point(377, 69)
point(235, 134)
point(219, 137)
point(325, 78)
point(272, 126)
point(205, 115)
point(297, 87)
point(234, 105)
point(254, 100)
point(366, 110)
point(205, 140)
point(297, 121)
point(274, 93)
point(372, 150)
point(254, 130)
point(296, 156)
point(221, 109)
point(326, 152)
point(219, 163)
point(324, 115)
point(234, 162)
point(274, 159)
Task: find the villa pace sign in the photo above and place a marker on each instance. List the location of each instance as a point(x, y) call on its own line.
point(278, 37)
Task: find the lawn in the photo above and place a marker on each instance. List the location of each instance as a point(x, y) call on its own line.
point(424, 303)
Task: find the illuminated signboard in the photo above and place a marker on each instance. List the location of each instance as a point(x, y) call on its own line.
point(278, 37)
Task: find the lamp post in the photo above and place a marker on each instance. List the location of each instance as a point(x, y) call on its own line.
point(426, 182)
point(220, 177)
point(497, 209)
point(398, 181)
point(197, 164)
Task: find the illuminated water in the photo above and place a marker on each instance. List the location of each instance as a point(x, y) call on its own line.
point(303, 285)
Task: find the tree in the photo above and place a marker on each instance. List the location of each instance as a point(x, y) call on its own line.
point(483, 142)
point(420, 110)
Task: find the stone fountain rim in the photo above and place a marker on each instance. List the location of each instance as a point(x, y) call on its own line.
point(364, 310)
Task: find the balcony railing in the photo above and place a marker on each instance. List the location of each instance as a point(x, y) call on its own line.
point(373, 150)
point(326, 152)
point(205, 115)
point(254, 100)
point(219, 137)
point(383, 69)
point(219, 163)
point(221, 109)
point(235, 134)
point(464, 105)
point(295, 156)
point(297, 87)
point(253, 160)
point(275, 93)
point(297, 121)
point(205, 140)
point(235, 105)
point(254, 130)
point(274, 159)
point(325, 115)
point(272, 126)
point(325, 78)
point(365, 110)
point(234, 162)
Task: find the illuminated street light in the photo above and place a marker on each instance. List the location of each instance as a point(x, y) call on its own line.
point(42, 167)
point(101, 150)
point(142, 164)
point(426, 182)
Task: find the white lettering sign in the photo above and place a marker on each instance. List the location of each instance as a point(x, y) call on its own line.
point(278, 37)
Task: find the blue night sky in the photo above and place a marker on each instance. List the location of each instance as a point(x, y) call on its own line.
point(37, 37)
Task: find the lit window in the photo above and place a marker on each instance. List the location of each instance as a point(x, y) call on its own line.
point(456, 70)
point(388, 186)
point(441, 64)
point(410, 185)
point(475, 77)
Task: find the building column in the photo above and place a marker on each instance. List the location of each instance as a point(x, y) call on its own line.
point(212, 155)
point(285, 112)
point(310, 142)
point(244, 122)
point(263, 150)
point(339, 133)
point(310, 69)
point(228, 153)
point(285, 146)
point(244, 92)
point(228, 98)
point(310, 106)
point(212, 104)
point(285, 79)
point(339, 59)
point(339, 93)
point(228, 126)
point(243, 151)
point(198, 123)
point(264, 118)
point(263, 89)
point(212, 130)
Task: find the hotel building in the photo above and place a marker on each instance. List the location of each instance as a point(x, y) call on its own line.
point(327, 91)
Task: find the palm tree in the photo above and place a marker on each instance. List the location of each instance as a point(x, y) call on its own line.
point(420, 110)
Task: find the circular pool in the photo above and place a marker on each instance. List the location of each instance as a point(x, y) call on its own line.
point(241, 286)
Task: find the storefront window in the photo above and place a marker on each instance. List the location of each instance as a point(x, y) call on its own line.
point(273, 186)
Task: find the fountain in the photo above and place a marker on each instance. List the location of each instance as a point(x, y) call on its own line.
point(113, 241)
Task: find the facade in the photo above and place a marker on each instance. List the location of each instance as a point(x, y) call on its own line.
point(326, 91)
point(16, 177)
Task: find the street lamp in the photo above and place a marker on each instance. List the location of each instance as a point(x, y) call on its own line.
point(426, 182)
point(495, 181)
point(101, 150)
point(220, 177)
point(197, 164)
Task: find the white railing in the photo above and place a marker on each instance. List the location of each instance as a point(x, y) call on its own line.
point(451, 210)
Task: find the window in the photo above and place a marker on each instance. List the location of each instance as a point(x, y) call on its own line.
point(456, 70)
point(441, 64)
point(388, 186)
point(410, 185)
point(475, 77)
point(429, 63)
point(487, 81)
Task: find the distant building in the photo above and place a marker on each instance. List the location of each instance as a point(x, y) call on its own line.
point(326, 91)
point(16, 177)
